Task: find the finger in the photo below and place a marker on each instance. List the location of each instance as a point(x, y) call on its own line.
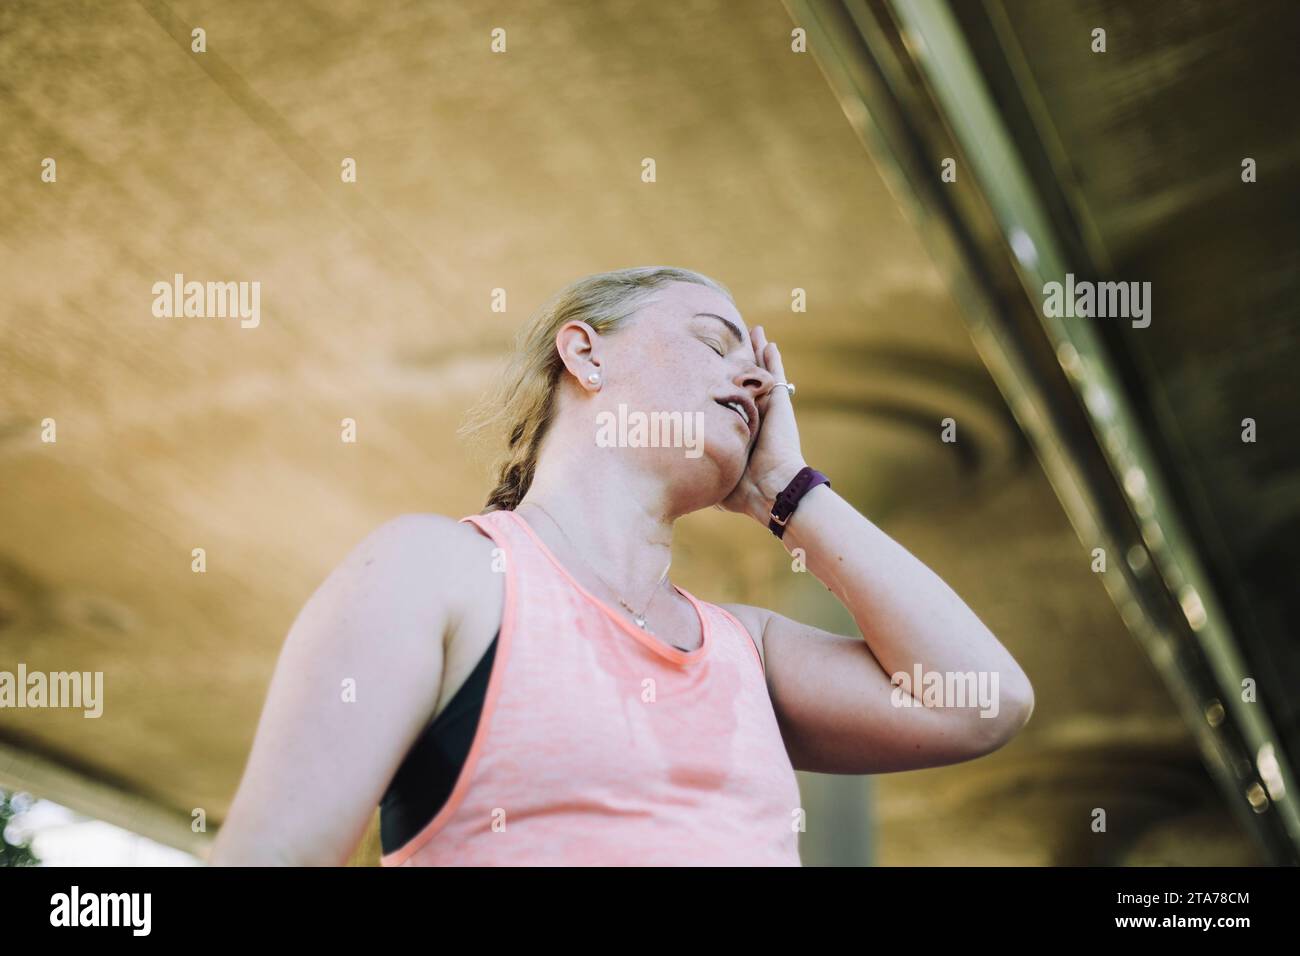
point(775, 365)
point(759, 339)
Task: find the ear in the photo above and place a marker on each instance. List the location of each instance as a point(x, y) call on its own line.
point(579, 347)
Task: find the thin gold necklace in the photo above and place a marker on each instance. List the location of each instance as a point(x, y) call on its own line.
point(638, 617)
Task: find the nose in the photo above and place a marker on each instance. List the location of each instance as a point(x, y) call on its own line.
point(757, 379)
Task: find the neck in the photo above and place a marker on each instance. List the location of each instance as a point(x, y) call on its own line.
point(613, 514)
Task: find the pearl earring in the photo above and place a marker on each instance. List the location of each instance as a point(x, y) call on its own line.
point(593, 378)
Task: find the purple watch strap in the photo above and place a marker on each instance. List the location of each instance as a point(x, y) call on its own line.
point(807, 479)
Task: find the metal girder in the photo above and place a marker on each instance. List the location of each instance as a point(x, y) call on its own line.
point(910, 87)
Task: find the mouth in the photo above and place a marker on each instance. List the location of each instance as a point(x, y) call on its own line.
point(744, 408)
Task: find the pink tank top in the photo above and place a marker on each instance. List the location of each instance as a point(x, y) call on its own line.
point(600, 745)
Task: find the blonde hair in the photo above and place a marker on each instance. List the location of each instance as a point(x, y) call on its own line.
point(522, 405)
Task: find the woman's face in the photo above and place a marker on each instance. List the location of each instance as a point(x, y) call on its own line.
point(686, 354)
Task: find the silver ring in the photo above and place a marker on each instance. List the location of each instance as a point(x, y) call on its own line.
point(788, 386)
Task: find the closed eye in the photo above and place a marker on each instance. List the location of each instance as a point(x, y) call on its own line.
point(717, 348)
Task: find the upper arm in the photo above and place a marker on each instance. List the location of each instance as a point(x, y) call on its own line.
point(839, 711)
point(356, 678)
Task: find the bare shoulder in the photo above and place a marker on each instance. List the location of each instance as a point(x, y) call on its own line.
point(755, 620)
point(439, 539)
point(415, 564)
point(379, 625)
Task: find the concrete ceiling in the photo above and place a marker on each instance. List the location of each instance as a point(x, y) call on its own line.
point(479, 171)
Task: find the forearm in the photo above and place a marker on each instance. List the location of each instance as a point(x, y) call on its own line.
point(906, 613)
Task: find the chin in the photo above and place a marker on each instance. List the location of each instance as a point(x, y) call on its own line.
point(728, 466)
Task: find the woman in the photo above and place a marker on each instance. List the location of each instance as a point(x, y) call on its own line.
point(526, 686)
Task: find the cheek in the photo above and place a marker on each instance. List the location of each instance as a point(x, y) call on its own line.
point(677, 381)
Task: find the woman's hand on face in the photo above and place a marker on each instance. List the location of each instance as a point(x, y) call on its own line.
point(775, 457)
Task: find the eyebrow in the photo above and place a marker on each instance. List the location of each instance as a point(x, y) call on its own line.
point(732, 327)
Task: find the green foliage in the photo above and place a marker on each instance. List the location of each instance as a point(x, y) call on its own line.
point(14, 854)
